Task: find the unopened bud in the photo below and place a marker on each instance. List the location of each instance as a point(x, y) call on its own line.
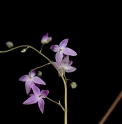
point(23, 51)
point(73, 85)
point(9, 44)
point(39, 73)
point(45, 39)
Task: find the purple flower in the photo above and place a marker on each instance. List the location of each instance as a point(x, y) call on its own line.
point(45, 39)
point(65, 66)
point(37, 97)
point(30, 80)
point(62, 49)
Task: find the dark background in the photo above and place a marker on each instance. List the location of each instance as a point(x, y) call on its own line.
point(94, 35)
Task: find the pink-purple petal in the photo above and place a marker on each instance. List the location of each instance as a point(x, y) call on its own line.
point(70, 69)
point(70, 62)
point(41, 105)
point(38, 80)
point(24, 78)
point(36, 90)
point(45, 37)
point(32, 73)
point(54, 48)
point(69, 51)
point(44, 93)
point(31, 100)
point(58, 66)
point(66, 60)
point(63, 44)
point(59, 57)
point(28, 86)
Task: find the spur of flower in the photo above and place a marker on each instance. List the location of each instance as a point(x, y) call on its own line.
point(30, 79)
point(61, 50)
point(65, 65)
point(37, 97)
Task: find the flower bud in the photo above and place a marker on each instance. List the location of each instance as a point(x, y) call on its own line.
point(73, 85)
point(23, 51)
point(9, 44)
point(45, 39)
point(39, 73)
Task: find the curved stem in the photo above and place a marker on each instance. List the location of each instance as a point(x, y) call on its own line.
point(56, 103)
point(65, 86)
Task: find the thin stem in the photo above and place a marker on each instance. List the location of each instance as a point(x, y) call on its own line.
point(40, 66)
point(58, 103)
point(65, 86)
point(41, 47)
point(65, 100)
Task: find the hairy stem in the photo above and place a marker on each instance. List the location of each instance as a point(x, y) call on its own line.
point(64, 81)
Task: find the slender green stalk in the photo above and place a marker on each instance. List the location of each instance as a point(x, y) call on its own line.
point(63, 78)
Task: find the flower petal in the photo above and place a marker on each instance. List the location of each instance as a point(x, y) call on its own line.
point(28, 86)
point(58, 66)
point(32, 73)
point(36, 90)
point(66, 60)
point(63, 44)
point(41, 105)
point(70, 69)
point(38, 80)
point(70, 62)
point(45, 37)
point(59, 57)
point(24, 78)
point(31, 100)
point(54, 48)
point(69, 51)
point(44, 93)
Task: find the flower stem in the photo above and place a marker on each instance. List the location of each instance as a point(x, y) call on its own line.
point(56, 103)
point(40, 66)
point(64, 81)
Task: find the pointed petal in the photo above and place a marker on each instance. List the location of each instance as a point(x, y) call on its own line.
point(32, 73)
point(24, 78)
point(38, 80)
point(28, 86)
point(58, 66)
point(63, 44)
point(54, 48)
point(70, 69)
point(31, 100)
point(44, 93)
point(70, 62)
point(69, 51)
point(36, 90)
point(66, 60)
point(45, 37)
point(59, 57)
point(41, 105)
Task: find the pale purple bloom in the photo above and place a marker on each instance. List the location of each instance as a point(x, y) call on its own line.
point(30, 80)
point(46, 39)
point(61, 49)
point(65, 66)
point(37, 97)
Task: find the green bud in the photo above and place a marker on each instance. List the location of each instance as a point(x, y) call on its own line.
point(39, 73)
point(9, 44)
point(73, 85)
point(23, 51)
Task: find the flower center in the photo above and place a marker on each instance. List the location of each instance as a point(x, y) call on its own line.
point(60, 50)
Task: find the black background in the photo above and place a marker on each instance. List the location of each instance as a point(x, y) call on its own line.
point(93, 34)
